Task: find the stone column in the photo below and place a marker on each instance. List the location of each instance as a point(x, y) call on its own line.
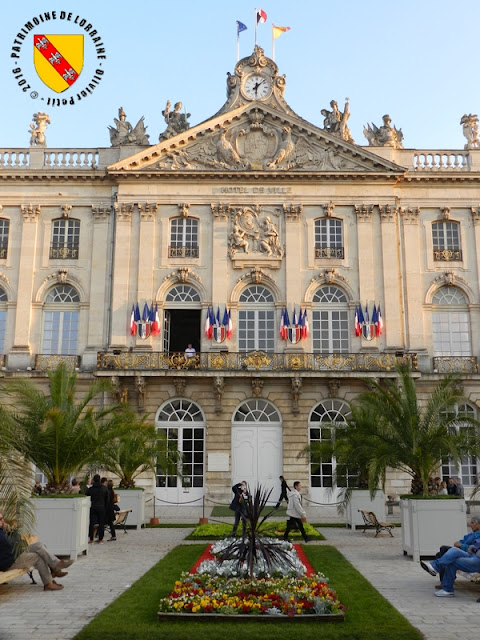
point(292, 267)
point(145, 266)
point(122, 298)
point(415, 336)
point(20, 354)
point(219, 262)
point(391, 304)
point(99, 285)
point(366, 261)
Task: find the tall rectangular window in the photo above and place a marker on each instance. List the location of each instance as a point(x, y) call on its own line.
point(256, 330)
point(183, 238)
point(4, 230)
point(446, 241)
point(65, 240)
point(329, 238)
point(330, 331)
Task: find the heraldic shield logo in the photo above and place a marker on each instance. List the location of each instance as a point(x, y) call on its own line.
point(58, 59)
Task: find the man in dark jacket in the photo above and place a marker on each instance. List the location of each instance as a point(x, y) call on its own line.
point(98, 508)
point(37, 556)
point(239, 505)
point(283, 493)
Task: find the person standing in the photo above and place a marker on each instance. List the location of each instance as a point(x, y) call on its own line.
point(283, 492)
point(98, 508)
point(239, 504)
point(110, 518)
point(296, 511)
point(190, 351)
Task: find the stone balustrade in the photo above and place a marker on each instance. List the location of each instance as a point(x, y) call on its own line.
point(431, 160)
point(441, 160)
point(252, 361)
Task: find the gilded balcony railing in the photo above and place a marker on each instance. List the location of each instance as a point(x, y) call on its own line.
point(447, 255)
point(44, 362)
point(455, 364)
point(252, 361)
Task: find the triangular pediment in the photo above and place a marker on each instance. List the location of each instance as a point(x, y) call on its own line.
point(252, 138)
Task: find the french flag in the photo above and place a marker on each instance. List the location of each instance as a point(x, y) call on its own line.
point(133, 324)
point(379, 324)
point(208, 328)
point(359, 320)
point(305, 327)
point(155, 329)
point(261, 16)
point(229, 325)
point(286, 324)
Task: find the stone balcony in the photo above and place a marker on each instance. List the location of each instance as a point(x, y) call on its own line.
point(253, 361)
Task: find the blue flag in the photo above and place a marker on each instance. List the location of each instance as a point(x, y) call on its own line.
point(240, 27)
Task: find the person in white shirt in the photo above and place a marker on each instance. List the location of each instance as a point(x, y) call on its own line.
point(190, 351)
point(296, 512)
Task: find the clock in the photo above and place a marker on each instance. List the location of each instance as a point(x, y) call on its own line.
point(257, 86)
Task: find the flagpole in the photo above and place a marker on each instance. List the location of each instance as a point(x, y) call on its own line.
point(273, 46)
point(255, 21)
point(238, 44)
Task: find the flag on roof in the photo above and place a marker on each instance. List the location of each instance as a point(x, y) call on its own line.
point(277, 31)
point(240, 27)
point(261, 16)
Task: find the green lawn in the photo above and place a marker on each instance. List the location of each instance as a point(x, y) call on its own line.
point(133, 615)
point(276, 529)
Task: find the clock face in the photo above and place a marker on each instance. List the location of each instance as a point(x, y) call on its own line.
point(257, 87)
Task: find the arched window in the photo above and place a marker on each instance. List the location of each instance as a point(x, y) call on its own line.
point(450, 323)
point(446, 241)
point(467, 468)
point(329, 238)
point(65, 239)
point(330, 333)
point(3, 318)
point(324, 419)
point(183, 423)
point(256, 410)
point(183, 238)
point(182, 293)
point(256, 319)
point(60, 321)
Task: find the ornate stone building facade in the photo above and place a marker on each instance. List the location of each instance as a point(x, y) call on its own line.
point(251, 212)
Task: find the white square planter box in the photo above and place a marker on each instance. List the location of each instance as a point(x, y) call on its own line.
point(133, 499)
point(427, 524)
point(360, 499)
point(62, 524)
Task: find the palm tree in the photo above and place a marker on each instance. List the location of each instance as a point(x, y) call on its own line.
point(390, 427)
point(136, 447)
point(15, 477)
point(62, 432)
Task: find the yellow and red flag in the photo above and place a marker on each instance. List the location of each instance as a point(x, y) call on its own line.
point(58, 59)
point(277, 31)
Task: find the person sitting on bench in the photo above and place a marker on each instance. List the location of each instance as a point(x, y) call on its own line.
point(36, 556)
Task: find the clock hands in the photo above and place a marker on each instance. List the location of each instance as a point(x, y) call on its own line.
point(256, 86)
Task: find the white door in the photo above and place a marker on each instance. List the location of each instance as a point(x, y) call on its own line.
point(257, 456)
point(166, 331)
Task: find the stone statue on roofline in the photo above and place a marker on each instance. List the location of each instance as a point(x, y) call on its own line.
point(385, 135)
point(38, 128)
point(335, 122)
point(470, 131)
point(177, 122)
point(124, 134)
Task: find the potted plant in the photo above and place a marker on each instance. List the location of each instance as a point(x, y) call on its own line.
point(137, 447)
point(412, 436)
point(62, 432)
point(350, 446)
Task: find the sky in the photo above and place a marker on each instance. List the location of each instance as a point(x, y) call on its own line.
point(417, 60)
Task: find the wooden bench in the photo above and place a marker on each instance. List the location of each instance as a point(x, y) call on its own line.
point(370, 521)
point(120, 521)
point(11, 574)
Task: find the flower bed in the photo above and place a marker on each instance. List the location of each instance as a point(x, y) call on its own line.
point(217, 589)
point(274, 529)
